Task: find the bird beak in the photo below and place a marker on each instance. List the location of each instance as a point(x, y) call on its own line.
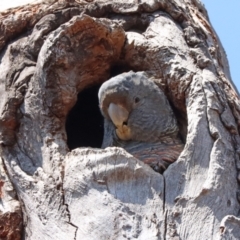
point(119, 116)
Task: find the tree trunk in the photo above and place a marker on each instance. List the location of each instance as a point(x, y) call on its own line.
point(50, 188)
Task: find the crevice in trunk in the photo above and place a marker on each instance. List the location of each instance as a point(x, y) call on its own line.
point(84, 124)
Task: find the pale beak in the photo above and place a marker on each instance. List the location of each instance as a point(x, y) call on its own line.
point(119, 116)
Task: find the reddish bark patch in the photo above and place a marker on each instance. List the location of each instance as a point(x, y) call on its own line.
point(10, 226)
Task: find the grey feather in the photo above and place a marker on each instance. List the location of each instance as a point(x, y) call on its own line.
point(139, 118)
point(151, 118)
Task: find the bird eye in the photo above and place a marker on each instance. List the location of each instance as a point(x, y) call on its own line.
point(137, 99)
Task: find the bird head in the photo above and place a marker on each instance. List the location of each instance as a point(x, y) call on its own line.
point(137, 108)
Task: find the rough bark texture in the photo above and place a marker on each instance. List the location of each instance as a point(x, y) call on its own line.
point(52, 51)
point(10, 210)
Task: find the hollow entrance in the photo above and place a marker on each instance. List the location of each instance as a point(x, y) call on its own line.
point(84, 124)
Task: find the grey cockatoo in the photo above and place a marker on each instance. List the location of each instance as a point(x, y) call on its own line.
point(138, 118)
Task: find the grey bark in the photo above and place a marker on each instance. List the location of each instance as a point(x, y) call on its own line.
point(50, 53)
